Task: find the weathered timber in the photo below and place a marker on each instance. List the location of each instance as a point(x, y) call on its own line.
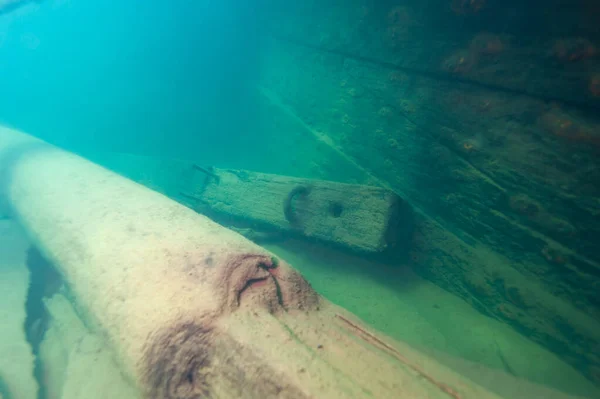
point(361, 218)
point(551, 52)
point(467, 175)
point(358, 217)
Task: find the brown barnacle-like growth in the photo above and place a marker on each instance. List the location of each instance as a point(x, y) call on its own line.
point(460, 62)
point(487, 44)
point(468, 146)
point(553, 256)
point(574, 49)
point(569, 127)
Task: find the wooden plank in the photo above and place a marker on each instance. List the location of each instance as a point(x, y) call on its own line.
point(360, 218)
point(558, 60)
point(465, 172)
point(469, 157)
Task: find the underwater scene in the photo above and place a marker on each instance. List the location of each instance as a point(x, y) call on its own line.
point(325, 199)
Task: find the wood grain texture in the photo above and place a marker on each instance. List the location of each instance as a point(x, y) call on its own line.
point(506, 180)
point(360, 218)
point(547, 50)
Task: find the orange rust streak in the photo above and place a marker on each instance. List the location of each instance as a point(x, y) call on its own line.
point(443, 387)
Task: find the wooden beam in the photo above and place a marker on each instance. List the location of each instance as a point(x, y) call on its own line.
point(360, 218)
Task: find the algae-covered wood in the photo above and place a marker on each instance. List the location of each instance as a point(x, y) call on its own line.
point(361, 218)
point(548, 50)
point(505, 182)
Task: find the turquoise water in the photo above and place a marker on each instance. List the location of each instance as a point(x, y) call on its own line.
point(481, 117)
point(129, 74)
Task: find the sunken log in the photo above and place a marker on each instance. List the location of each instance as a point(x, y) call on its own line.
point(194, 310)
point(357, 217)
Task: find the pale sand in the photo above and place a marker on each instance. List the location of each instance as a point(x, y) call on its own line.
point(16, 359)
point(78, 363)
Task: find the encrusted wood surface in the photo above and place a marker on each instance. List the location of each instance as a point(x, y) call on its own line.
point(462, 205)
point(547, 50)
point(517, 187)
point(361, 218)
point(493, 136)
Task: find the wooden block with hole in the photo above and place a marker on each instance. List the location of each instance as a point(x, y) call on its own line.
point(360, 218)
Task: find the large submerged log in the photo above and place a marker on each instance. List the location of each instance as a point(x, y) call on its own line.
point(360, 218)
point(194, 310)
